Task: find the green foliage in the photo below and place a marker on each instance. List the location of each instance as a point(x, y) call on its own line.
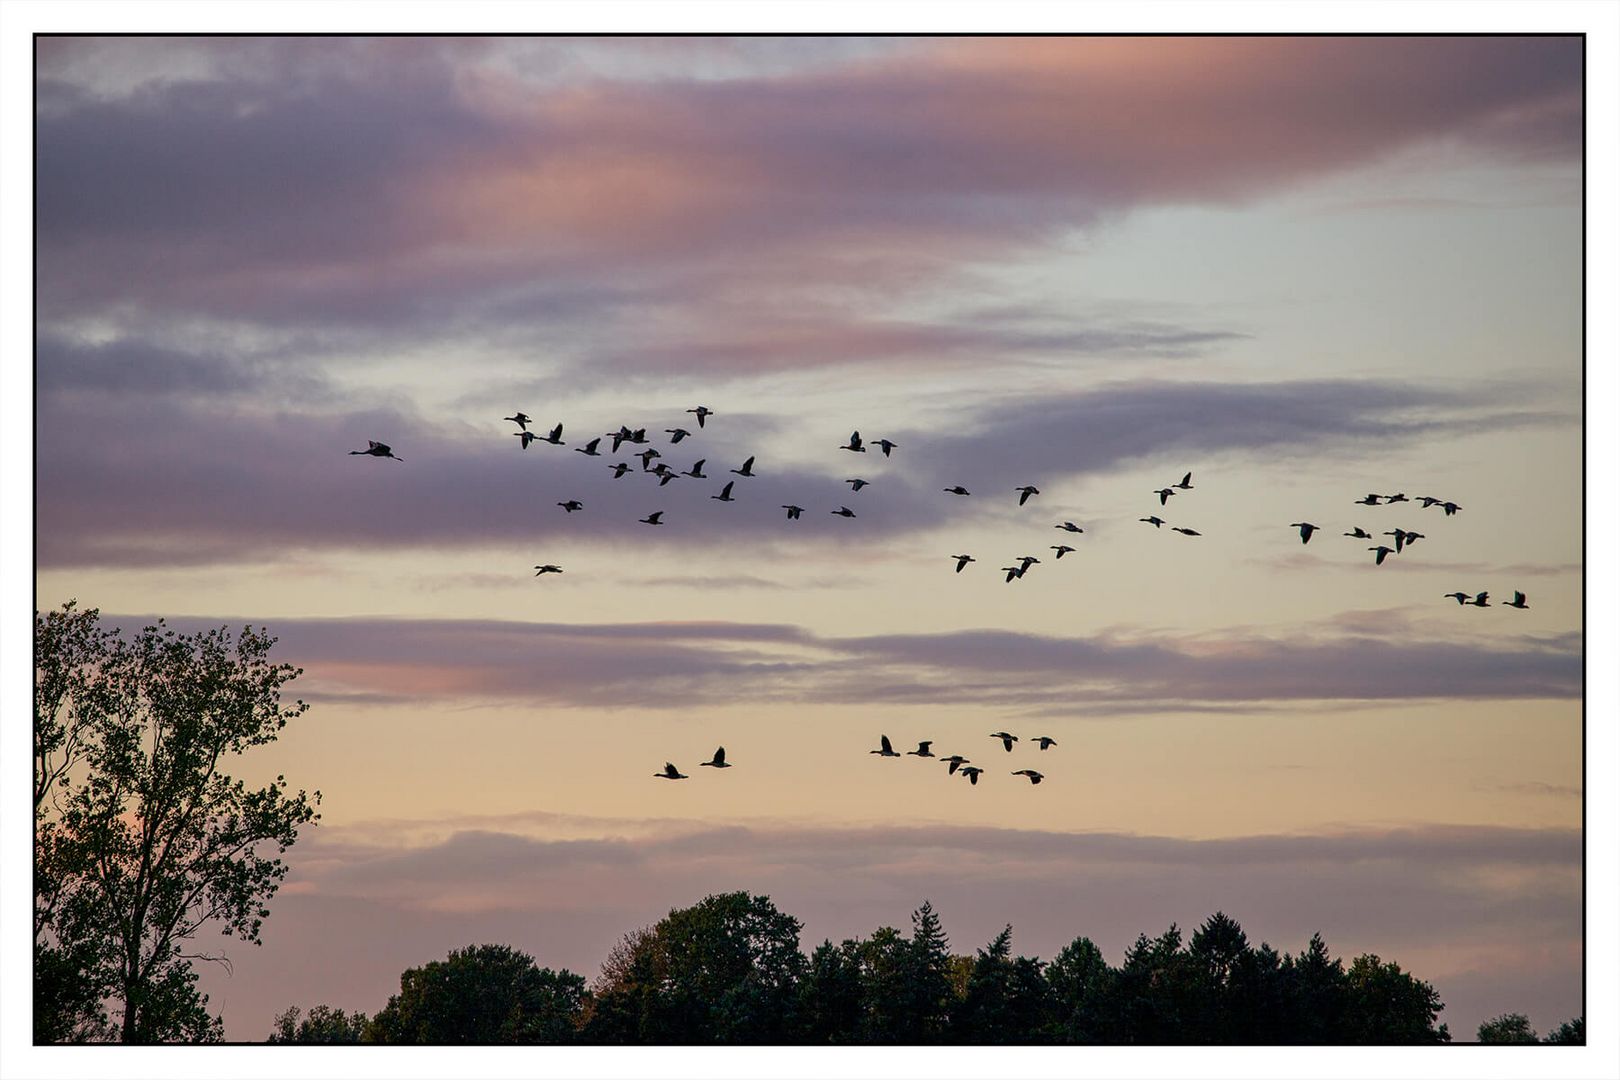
point(1389, 1006)
point(1569, 1033)
point(1006, 1000)
point(481, 995)
point(324, 1026)
point(142, 838)
point(1508, 1028)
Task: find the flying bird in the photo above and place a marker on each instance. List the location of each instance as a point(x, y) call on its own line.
point(618, 437)
point(747, 467)
point(646, 457)
point(843, 511)
point(1413, 537)
point(652, 518)
point(571, 505)
point(1482, 600)
point(377, 449)
point(1397, 497)
point(725, 493)
point(854, 443)
point(1382, 551)
point(922, 749)
point(972, 773)
point(1025, 492)
point(857, 484)
point(1428, 500)
point(886, 446)
point(1518, 600)
point(1006, 739)
point(1450, 508)
point(696, 471)
point(676, 434)
point(589, 449)
point(1045, 741)
point(1460, 597)
point(554, 437)
point(526, 436)
point(793, 511)
point(637, 436)
point(887, 750)
point(521, 420)
point(664, 477)
point(1034, 777)
point(1188, 532)
point(1026, 560)
point(1154, 521)
point(1186, 483)
point(1014, 572)
point(719, 761)
point(957, 490)
point(548, 568)
point(1164, 494)
point(1061, 549)
point(1069, 526)
point(955, 761)
point(1359, 533)
point(702, 412)
point(670, 772)
point(1305, 529)
point(1370, 500)
point(620, 469)
point(963, 560)
point(1400, 539)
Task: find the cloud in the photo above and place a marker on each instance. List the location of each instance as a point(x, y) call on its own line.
point(1490, 915)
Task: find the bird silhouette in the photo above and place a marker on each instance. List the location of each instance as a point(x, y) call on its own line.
point(1026, 560)
point(886, 750)
point(1428, 501)
point(1413, 537)
point(1069, 526)
point(1482, 600)
point(1061, 549)
point(1460, 597)
point(747, 468)
point(646, 457)
point(1450, 508)
point(725, 493)
point(886, 446)
point(922, 749)
point(1034, 777)
point(1400, 538)
point(696, 471)
point(719, 761)
point(1370, 500)
point(963, 560)
point(637, 436)
point(1397, 497)
point(843, 511)
point(1155, 521)
point(589, 449)
point(1164, 494)
point(1186, 483)
point(955, 761)
point(520, 420)
point(1382, 551)
point(571, 505)
point(1025, 492)
point(702, 413)
point(676, 434)
point(554, 437)
point(620, 469)
point(378, 450)
point(972, 773)
point(854, 443)
point(526, 437)
point(1006, 739)
point(1187, 532)
point(857, 484)
point(1045, 741)
point(1359, 533)
point(957, 490)
point(1305, 529)
point(1014, 572)
point(1518, 600)
point(548, 568)
point(670, 772)
point(619, 437)
point(652, 518)
point(793, 511)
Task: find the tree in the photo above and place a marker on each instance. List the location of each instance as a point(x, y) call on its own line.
point(1082, 988)
point(482, 995)
point(142, 837)
point(1386, 1005)
point(830, 1004)
point(1508, 1028)
point(324, 1026)
point(1569, 1033)
point(1005, 1000)
point(1317, 991)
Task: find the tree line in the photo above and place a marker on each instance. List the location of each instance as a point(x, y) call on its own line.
point(729, 970)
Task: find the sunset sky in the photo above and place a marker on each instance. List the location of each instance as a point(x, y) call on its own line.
point(1303, 269)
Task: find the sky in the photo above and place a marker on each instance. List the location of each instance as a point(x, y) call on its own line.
point(1304, 269)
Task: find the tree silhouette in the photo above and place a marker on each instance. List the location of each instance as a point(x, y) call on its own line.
point(482, 994)
point(142, 837)
point(1569, 1033)
point(1005, 1000)
point(323, 1026)
point(1508, 1028)
point(1386, 1005)
point(1082, 990)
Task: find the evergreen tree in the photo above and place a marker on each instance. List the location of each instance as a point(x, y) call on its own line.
point(1083, 991)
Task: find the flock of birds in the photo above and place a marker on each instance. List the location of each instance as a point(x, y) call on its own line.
point(957, 764)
